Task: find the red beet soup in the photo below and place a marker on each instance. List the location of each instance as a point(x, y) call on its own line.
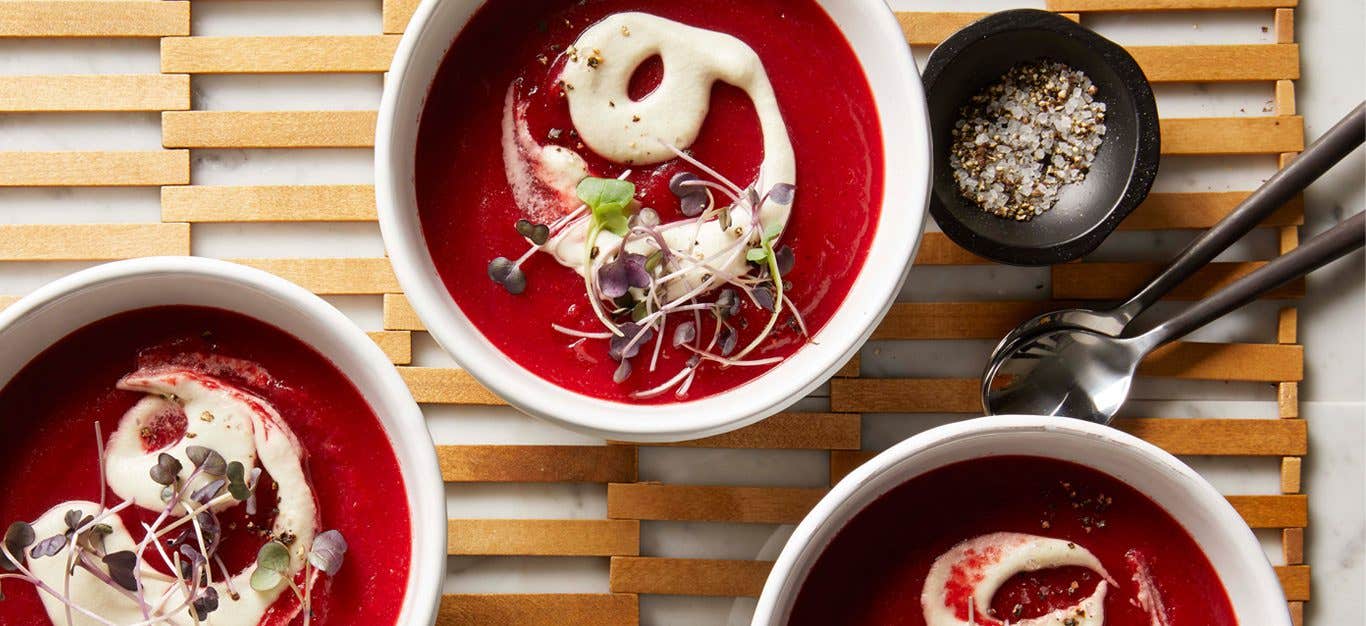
point(503, 139)
point(926, 545)
point(49, 456)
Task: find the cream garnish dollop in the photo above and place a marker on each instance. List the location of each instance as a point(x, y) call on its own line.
point(982, 564)
point(241, 427)
point(597, 78)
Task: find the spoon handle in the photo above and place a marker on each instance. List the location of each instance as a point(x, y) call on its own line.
point(1329, 246)
point(1333, 146)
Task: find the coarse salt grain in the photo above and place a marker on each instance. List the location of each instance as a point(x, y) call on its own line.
point(1021, 140)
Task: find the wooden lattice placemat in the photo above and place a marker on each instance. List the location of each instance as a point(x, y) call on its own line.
point(630, 502)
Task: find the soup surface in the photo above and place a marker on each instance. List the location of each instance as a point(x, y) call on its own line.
point(502, 92)
point(968, 522)
point(49, 460)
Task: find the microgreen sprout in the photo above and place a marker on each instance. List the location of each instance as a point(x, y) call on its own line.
point(652, 270)
point(191, 554)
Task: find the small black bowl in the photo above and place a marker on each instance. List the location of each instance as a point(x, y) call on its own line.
point(1119, 178)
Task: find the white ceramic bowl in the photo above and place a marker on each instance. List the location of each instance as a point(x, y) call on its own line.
point(47, 315)
point(878, 41)
point(1251, 583)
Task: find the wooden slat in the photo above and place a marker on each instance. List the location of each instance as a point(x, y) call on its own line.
point(69, 18)
point(1194, 361)
point(1221, 437)
point(928, 29)
point(1213, 64)
point(851, 368)
point(957, 320)
point(905, 395)
point(284, 203)
point(788, 431)
point(1284, 100)
point(268, 129)
point(397, 13)
point(1292, 546)
point(440, 385)
point(751, 505)
point(1288, 400)
point(1292, 469)
point(1284, 25)
point(1232, 135)
point(543, 537)
point(539, 610)
point(91, 242)
point(1114, 281)
point(1226, 361)
point(1161, 64)
point(95, 92)
point(1295, 581)
point(938, 249)
point(336, 276)
point(1202, 210)
point(537, 464)
point(399, 313)
point(1100, 6)
point(844, 461)
point(94, 169)
point(278, 55)
point(688, 577)
point(1282, 511)
point(396, 344)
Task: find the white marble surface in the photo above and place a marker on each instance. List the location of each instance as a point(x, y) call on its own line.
point(1332, 33)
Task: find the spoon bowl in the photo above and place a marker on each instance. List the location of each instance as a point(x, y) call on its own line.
point(1066, 371)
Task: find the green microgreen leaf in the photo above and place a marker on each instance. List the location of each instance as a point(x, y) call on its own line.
point(263, 579)
point(273, 556)
point(237, 484)
point(608, 199)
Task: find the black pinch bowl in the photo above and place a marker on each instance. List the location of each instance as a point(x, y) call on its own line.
point(1119, 178)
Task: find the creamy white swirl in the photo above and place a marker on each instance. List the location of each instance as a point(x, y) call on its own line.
point(597, 79)
point(240, 426)
point(986, 562)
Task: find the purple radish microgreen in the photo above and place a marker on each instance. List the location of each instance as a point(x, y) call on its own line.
point(626, 272)
point(684, 333)
point(166, 470)
point(208, 461)
point(692, 198)
point(121, 565)
point(328, 552)
point(205, 604)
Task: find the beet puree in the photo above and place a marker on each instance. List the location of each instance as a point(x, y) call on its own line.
point(874, 570)
point(48, 453)
point(467, 207)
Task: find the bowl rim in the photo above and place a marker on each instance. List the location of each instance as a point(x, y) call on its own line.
point(908, 193)
point(417, 461)
point(1160, 462)
point(1148, 146)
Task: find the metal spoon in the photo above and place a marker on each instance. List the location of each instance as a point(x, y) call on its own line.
point(1332, 147)
point(1085, 374)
